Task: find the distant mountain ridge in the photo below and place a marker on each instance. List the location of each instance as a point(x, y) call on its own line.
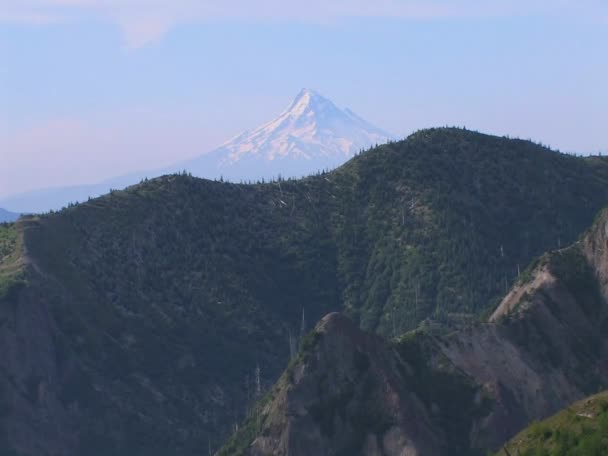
point(6, 216)
point(311, 135)
point(55, 198)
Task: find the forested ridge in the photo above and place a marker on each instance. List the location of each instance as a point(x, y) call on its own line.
point(166, 298)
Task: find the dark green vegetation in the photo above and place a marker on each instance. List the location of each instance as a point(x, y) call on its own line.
point(167, 296)
point(439, 224)
point(472, 389)
point(580, 430)
point(10, 264)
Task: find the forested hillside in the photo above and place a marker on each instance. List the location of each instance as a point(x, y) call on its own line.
point(154, 309)
point(465, 393)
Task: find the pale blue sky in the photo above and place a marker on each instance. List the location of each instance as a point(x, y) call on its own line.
point(91, 89)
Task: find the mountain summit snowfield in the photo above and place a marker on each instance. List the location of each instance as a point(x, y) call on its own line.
point(311, 127)
point(311, 135)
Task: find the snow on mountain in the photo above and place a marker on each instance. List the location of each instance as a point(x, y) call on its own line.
point(311, 127)
point(310, 135)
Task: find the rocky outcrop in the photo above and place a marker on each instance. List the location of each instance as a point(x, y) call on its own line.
point(351, 393)
point(346, 394)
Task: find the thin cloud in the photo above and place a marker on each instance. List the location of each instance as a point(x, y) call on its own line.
point(146, 21)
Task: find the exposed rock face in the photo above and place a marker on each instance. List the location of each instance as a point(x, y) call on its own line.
point(544, 347)
point(346, 396)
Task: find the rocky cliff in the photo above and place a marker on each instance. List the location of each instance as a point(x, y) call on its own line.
point(350, 393)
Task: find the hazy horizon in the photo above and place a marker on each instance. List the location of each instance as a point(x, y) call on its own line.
point(91, 90)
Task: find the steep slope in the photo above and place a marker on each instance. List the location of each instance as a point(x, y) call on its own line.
point(352, 393)
point(311, 135)
point(155, 308)
point(464, 393)
point(579, 430)
point(6, 216)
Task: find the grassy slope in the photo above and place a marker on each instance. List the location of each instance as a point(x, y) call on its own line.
point(193, 283)
point(580, 430)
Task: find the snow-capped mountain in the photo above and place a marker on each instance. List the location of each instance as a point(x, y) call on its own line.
point(310, 135)
point(311, 127)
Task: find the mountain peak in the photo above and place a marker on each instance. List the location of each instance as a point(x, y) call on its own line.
point(309, 100)
point(306, 93)
point(312, 131)
point(309, 94)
